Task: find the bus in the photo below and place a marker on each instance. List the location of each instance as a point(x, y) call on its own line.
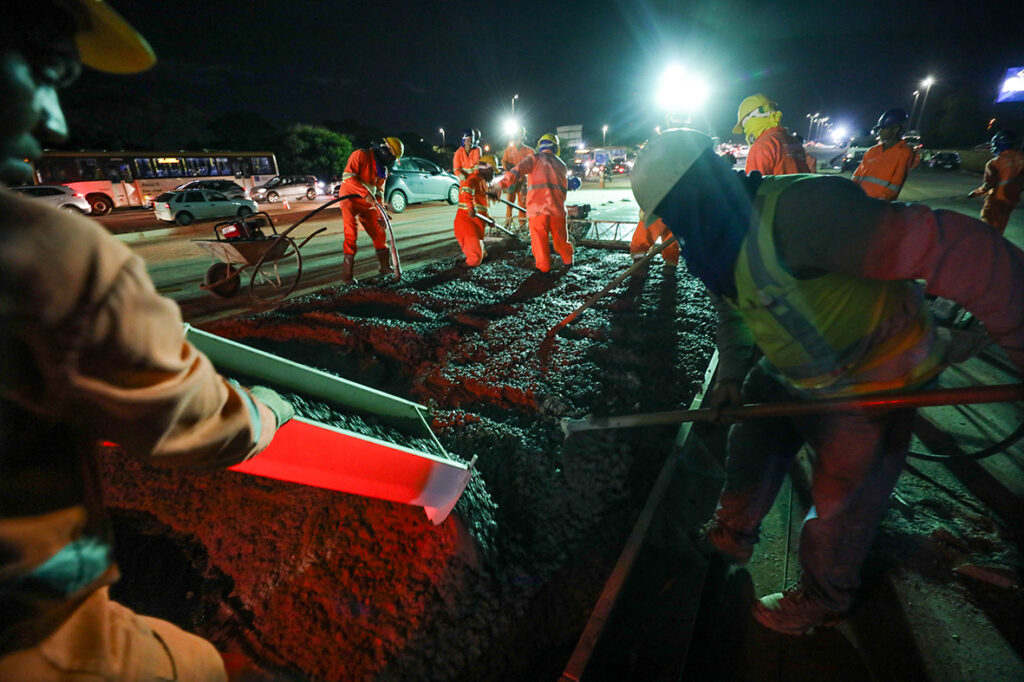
point(115, 179)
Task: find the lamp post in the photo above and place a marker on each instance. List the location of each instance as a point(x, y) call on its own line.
point(822, 123)
point(913, 107)
point(927, 85)
point(810, 123)
point(441, 130)
point(514, 98)
point(604, 134)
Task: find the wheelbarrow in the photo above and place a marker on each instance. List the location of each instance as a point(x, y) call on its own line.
point(251, 245)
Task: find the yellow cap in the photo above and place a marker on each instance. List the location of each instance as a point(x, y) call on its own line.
point(747, 106)
point(109, 43)
point(489, 160)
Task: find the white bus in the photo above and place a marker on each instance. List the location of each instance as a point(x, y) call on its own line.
point(109, 179)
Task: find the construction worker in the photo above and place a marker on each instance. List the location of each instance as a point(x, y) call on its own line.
point(884, 168)
point(823, 280)
point(516, 151)
point(366, 173)
point(773, 149)
point(468, 155)
point(473, 203)
point(91, 353)
point(547, 185)
point(645, 236)
point(1003, 180)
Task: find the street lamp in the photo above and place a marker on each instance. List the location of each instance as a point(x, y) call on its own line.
point(822, 122)
point(441, 130)
point(514, 98)
point(604, 133)
point(681, 92)
point(913, 107)
point(927, 85)
point(810, 124)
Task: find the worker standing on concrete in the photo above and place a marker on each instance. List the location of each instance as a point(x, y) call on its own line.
point(547, 185)
point(645, 236)
point(91, 353)
point(468, 155)
point(773, 149)
point(473, 203)
point(1003, 180)
point(884, 168)
point(366, 173)
point(823, 280)
point(515, 152)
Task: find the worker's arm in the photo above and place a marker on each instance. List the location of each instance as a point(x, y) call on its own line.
point(515, 174)
point(827, 224)
point(735, 343)
point(990, 180)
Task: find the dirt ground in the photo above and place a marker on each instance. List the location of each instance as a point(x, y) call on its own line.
point(320, 585)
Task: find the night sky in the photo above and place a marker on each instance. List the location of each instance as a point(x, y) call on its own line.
point(424, 65)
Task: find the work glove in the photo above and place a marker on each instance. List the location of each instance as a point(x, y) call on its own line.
point(725, 394)
point(282, 409)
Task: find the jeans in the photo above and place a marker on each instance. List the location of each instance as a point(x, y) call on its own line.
point(859, 456)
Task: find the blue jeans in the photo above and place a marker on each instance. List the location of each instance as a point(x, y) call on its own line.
point(858, 459)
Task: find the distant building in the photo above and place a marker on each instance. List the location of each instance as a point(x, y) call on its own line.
point(570, 136)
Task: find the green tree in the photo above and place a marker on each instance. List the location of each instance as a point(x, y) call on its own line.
point(312, 149)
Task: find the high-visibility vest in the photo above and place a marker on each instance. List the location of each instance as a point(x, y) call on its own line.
point(361, 176)
point(882, 172)
point(473, 194)
point(777, 152)
point(1006, 175)
point(547, 183)
point(464, 164)
point(835, 334)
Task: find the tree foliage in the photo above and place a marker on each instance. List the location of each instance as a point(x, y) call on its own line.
point(306, 149)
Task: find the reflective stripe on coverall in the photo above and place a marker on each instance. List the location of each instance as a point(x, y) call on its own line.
point(645, 237)
point(511, 157)
point(1004, 179)
point(545, 205)
point(469, 229)
point(463, 164)
point(777, 152)
point(882, 172)
point(362, 177)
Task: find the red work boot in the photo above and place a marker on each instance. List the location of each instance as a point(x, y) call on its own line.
point(348, 262)
point(793, 612)
point(714, 537)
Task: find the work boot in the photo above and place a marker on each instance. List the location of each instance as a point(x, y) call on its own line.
point(717, 538)
point(793, 612)
point(384, 259)
point(348, 263)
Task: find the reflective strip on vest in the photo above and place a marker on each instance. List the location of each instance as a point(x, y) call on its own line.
point(879, 181)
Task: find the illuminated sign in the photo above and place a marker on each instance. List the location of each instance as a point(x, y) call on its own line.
point(167, 160)
point(1012, 87)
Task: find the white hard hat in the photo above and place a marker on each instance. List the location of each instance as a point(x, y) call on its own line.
point(662, 161)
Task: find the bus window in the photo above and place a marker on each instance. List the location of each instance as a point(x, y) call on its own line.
point(197, 166)
point(144, 168)
point(168, 167)
point(118, 170)
point(56, 171)
point(261, 165)
point(89, 169)
point(222, 166)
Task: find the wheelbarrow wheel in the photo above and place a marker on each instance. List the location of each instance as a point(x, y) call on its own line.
point(222, 280)
point(277, 272)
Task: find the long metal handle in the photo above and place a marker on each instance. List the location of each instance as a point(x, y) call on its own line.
point(886, 401)
point(512, 204)
point(494, 223)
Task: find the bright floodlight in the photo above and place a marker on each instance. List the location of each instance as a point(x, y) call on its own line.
point(927, 82)
point(511, 126)
point(839, 134)
point(680, 90)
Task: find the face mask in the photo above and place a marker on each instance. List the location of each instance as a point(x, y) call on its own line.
point(757, 122)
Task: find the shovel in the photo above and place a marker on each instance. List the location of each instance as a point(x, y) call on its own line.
point(875, 402)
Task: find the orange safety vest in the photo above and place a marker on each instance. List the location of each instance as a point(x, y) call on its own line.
point(547, 183)
point(882, 172)
point(361, 176)
point(513, 155)
point(473, 194)
point(463, 164)
point(1005, 175)
point(777, 152)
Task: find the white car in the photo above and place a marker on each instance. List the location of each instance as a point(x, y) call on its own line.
point(187, 206)
point(57, 196)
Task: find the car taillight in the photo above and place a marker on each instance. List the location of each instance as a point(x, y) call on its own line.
point(79, 195)
point(167, 206)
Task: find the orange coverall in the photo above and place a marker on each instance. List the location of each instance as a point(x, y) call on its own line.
point(463, 163)
point(362, 177)
point(469, 229)
point(517, 192)
point(645, 237)
point(1004, 179)
point(882, 172)
point(777, 152)
point(545, 205)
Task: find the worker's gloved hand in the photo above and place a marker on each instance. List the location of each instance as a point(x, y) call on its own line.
point(282, 409)
point(494, 193)
point(725, 394)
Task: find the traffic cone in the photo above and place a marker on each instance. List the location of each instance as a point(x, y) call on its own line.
point(286, 205)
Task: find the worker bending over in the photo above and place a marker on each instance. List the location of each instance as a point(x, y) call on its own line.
point(516, 151)
point(366, 173)
point(821, 278)
point(773, 149)
point(645, 236)
point(884, 168)
point(468, 155)
point(1003, 180)
point(91, 353)
point(547, 185)
point(473, 203)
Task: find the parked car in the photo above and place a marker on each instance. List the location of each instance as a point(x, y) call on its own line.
point(414, 180)
point(232, 190)
point(185, 207)
point(286, 187)
point(950, 160)
point(58, 196)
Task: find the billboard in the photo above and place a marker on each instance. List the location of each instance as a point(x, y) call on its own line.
point(1012, 87)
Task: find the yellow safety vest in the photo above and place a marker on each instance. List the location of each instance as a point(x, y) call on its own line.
point(835, 334)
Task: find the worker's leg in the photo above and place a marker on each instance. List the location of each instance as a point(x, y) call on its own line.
point(641, 241)
point(858, 459)
point(103, 640)
point(469, 236)
point(996, 213)
point(373, 223)
point(539, 243)
point(759, 454)
point(350, 221)
point(522, 202)
point(560, 238)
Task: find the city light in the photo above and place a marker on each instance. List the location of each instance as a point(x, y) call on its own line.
point(511, 126)
point(441, 130)
point(604, 135)
point(840, 133)
point(681, 91)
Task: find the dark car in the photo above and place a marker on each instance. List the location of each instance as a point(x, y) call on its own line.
point(232, 190)
point(413, 180)
point(950, 160)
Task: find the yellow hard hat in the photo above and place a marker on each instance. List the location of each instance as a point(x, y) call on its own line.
point(396, 146)
point(748, 105)
point(106, 42)
point(661, 163)
point(489, 160)
point(549, 141)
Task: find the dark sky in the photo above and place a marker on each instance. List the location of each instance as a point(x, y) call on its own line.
point(419, 66)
